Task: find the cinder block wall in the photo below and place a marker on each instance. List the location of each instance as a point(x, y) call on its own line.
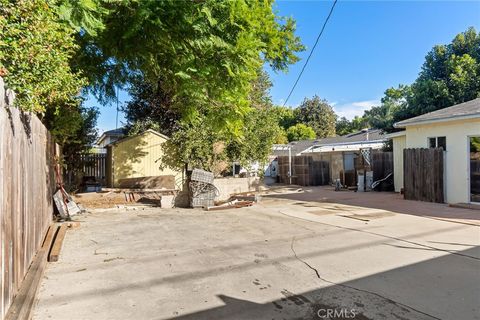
point(227, 186)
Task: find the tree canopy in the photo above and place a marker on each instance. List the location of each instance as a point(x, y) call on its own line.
point(317, 114)
point(203, 54)
point(449, 75)
point(35, 53)
point(191, 66)
point(201, 146)
point(300, 132)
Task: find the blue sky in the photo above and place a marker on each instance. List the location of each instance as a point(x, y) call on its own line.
point(366, 48)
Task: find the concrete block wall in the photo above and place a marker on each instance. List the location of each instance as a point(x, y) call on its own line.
point(227, 186)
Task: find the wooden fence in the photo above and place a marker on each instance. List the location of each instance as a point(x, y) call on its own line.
point(306, 171)
point(423, 174)
point(94, 166)
point(27, 182)
point(382, 165)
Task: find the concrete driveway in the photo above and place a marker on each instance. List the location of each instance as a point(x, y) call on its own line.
point(283, 258)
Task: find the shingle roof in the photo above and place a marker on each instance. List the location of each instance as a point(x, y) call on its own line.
point(469, 109)
point(302, 145)
point(115, 132)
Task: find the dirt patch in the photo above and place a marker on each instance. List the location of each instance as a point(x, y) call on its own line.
point(376, 215)
point(96, 200)
point(103, 200)
point(321, 212)
point(306, 204)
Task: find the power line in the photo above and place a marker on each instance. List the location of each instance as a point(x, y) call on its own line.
point(311, 52)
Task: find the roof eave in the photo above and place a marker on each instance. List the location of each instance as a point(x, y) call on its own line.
point(396, 134)
point(353, 143)
point(430, 121)
point(139, 134)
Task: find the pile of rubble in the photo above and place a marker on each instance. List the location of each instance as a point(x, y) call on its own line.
point(203, 193)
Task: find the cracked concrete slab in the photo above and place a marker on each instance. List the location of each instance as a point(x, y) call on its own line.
point(275, 260)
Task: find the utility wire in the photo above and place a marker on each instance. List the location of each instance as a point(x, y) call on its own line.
point(311, 52)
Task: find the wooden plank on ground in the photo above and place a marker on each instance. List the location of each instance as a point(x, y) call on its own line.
point(22, 305)
point(47, 242)
point(57, 244)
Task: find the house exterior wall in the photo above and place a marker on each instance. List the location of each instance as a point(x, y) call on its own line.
point(399, 144)
point(457, 177)
point(139, 156)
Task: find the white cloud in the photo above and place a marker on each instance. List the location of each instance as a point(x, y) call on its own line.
point(352, 109)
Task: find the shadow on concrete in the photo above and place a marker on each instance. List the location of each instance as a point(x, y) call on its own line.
point(388, 201)
point(447, 287)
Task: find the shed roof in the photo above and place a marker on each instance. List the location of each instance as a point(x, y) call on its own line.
point(465, 110)
point(142, 133)
point(356, 137)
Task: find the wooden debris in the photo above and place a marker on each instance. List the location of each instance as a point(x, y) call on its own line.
point(47, 242)
point(57, 244)
point(231, 205)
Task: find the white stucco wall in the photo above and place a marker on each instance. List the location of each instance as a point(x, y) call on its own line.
point(399, 144)
point(457, 177)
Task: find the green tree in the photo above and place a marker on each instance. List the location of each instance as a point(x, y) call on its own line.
point(318, 114)
point(260, 132)
point(204, 54)
point(300, 132)
point(343, 126)
point(449, 75)
point(149, 108)
point(35, 53)
point(253, 143)
point(75, 130)
point(285, 116)
point(192, 143)
point(197, 144)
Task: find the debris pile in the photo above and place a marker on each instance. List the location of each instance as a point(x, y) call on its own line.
point(238, 200)
point(64, 203)
point(202, 190)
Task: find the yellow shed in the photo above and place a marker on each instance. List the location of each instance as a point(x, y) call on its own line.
point(135, 162)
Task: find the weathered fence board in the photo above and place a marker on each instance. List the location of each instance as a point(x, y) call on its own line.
point(423, 174)
point(306, 171)
point(382, 165)
point(27, 182)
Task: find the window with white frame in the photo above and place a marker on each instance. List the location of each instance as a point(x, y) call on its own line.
point(438, 142)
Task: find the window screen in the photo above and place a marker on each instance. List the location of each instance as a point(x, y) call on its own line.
point(432, 142)
point(442, 143)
